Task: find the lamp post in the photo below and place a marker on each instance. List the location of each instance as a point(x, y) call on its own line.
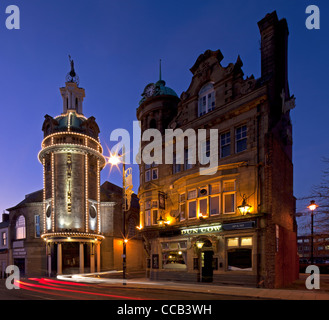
point(312, 207)
point(114, 159)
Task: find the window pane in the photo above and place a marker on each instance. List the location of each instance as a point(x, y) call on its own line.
point(229, 186)
point(37, 226)
point(174, 260)
point(229, 203)
point(241, 145)
point(203, 206)
point(182, 211)
point(215, 188)
point(246, 241)
point(239, 259)
point(233, 242)
point(214, 205)
point(241, 138)
point(192, 209)
point(154, 216)
point(148, 218)
point(147, 176)
point(154, 174)
point(191, 194)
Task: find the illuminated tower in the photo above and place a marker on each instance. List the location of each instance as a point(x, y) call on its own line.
point(72, 159)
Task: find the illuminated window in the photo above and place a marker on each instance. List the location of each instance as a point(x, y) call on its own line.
point(233, 242)
point(246, 241)
point(192, 209)
point(20, 228)
point(214, 205)
point(4, 238)
point(154, 217)
point(229, 197)
point(239, 256)
point(147, 218)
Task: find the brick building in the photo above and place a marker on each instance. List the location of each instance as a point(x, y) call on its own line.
point(193, 225)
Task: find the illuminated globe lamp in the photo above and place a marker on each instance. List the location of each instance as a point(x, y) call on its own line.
point(161, 222)
point(244, 208)
point(199, 244)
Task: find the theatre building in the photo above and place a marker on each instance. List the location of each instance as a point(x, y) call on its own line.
point(235, 224)
point(74, 224)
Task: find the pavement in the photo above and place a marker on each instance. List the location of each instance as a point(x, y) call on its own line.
point(297, 291)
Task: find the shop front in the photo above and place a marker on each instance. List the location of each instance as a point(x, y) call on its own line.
point(219, 253)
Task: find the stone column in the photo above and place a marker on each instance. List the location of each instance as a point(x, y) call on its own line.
point(48, 254)
point(81, 258)
point(92, 258)
point(59, 258)
point(98, 255)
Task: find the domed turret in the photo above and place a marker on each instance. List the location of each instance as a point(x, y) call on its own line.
point(158, 105)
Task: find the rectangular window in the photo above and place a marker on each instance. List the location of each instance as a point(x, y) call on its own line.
point(147, 205)
point(37, 231)
point(241, 138)
point(4, 238)
point(154, 217)
point(187, 160)
point(214, 205)
point(225, 144)
point(215, 188)
point(191, 194)
point(203, 204)
point(247, 241)
point(233, 242)
point(229, 186)
point(192, 209)
point(147, 218)
point(182, 215)
point(155, 174)
point(182, 211)
point(147, 176)
point(205, 151)
point(176, 167)
point(229, 203)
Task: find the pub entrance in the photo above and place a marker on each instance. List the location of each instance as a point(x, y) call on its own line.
point(207, 266)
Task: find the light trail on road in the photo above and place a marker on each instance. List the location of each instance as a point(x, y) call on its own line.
point(58, 288)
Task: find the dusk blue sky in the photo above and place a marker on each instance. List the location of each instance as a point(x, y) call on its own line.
point(116, 46)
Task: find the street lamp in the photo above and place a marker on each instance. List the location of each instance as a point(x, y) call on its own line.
point(312, 207)
point(114, 160)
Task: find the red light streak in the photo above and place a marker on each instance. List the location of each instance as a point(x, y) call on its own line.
point(29, 286)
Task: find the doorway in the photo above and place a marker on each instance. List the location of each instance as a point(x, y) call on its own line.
point(207, 266)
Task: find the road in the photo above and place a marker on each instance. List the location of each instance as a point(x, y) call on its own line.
point(53, 289)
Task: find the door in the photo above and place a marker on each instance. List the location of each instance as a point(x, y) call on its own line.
point(207, 266)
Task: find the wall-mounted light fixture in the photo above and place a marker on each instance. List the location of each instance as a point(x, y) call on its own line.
point(244, 208)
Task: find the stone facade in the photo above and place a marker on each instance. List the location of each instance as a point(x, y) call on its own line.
point(191, 224)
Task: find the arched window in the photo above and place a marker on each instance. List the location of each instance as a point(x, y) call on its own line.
point(206, 99)
point(20, 228)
